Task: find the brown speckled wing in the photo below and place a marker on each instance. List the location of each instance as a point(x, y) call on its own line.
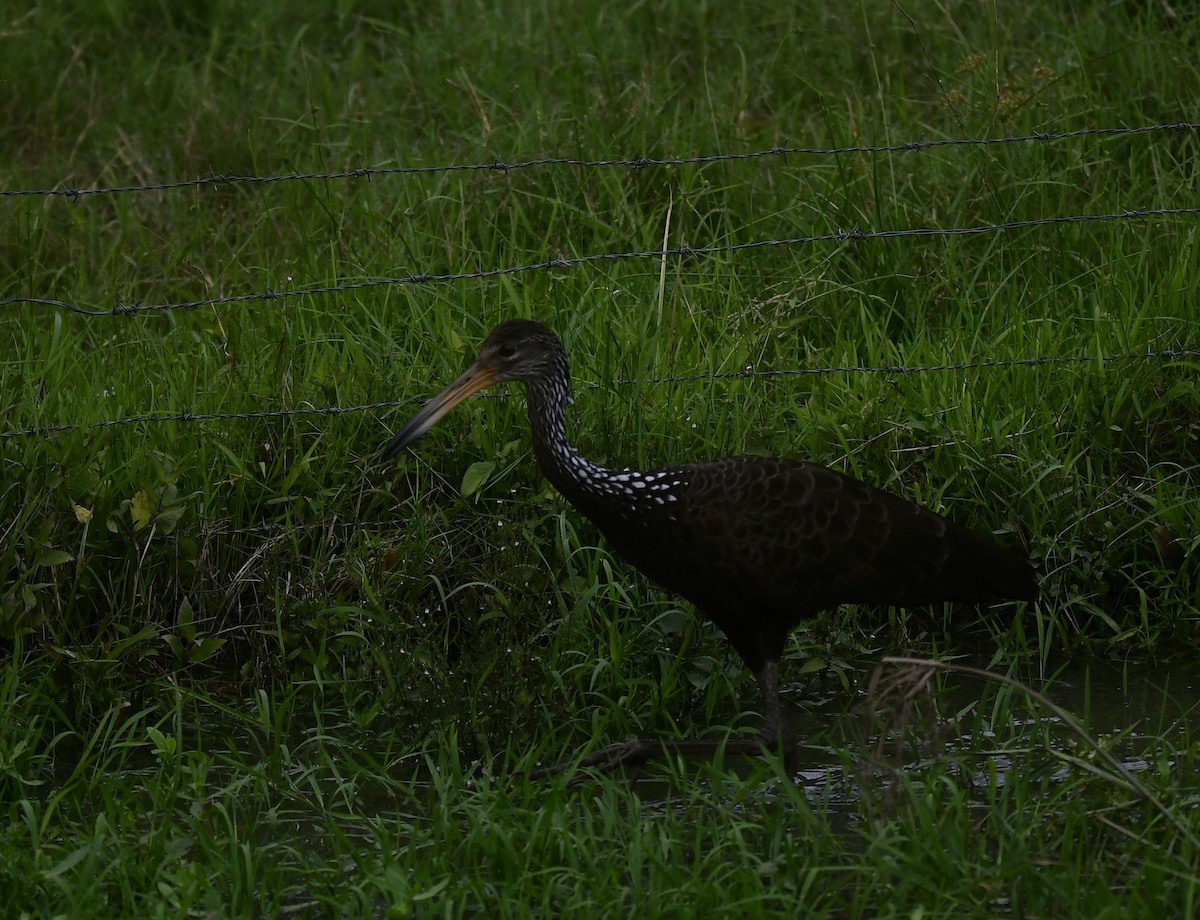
point(790, 538)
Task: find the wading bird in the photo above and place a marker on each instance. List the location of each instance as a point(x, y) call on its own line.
point(758, 544)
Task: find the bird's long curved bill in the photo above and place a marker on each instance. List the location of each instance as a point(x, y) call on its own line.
point(474, 379)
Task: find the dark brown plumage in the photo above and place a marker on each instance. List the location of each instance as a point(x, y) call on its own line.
point(758, 544)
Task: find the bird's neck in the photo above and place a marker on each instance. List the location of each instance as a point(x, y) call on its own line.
point(576, 477)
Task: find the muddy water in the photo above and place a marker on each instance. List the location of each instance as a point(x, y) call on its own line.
point(873, 737)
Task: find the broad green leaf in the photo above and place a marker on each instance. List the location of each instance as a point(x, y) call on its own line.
point(206, 648)
point(813, 664)
point(169, 517)
point(475, 476)
point(186, 615)
point(53, 557)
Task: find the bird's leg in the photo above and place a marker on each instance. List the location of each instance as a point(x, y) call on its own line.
point(776, 735)
point(776, 732)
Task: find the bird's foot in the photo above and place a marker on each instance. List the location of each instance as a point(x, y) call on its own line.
point(784, 744)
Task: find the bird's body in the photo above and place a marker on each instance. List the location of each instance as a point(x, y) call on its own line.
point(761, 544)
point(758, 544)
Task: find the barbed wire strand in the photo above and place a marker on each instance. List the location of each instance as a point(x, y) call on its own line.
point(74, 193)
point(747, 373)
point(841, 236)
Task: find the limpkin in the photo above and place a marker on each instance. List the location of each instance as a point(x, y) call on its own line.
point(758, 544)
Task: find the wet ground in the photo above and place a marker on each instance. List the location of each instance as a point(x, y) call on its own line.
point(899, 725)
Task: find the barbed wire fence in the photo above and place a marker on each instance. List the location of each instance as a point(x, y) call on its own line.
point(855, 235)
point(852, 236)
point(746, 373)
point(72, 192)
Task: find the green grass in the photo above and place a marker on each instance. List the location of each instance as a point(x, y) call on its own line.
point(251, 669)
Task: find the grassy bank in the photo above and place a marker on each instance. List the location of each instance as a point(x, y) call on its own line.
point(249, 668)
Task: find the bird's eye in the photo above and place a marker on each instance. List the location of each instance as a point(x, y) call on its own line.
point(506, 351)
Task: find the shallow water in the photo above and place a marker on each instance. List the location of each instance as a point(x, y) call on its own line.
point(871, 742)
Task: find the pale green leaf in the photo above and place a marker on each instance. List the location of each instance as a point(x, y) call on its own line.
point(53, 557)
point(476, 475)
point(813, 664)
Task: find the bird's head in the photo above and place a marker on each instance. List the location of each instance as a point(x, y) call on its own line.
point(517, 349)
